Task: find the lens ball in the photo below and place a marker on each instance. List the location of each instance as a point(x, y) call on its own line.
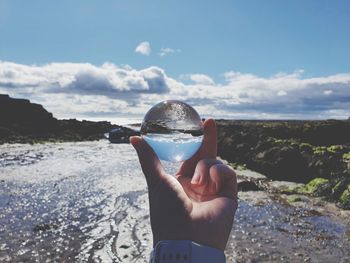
point(173, 129)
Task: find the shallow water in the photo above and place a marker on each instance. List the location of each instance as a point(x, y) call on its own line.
point(87, 202)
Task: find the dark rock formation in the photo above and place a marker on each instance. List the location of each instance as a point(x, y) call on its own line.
point(24, 122)
point(21, 116)
point(121, 135)
point(245, 186)
point(297, 151)
point(281, 163)
point(291, 158)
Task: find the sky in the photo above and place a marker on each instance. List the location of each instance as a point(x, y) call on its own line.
point(108, 60)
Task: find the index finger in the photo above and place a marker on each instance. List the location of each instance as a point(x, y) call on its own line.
point(225, 180)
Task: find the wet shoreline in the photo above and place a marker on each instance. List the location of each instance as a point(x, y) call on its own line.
point(87, 202)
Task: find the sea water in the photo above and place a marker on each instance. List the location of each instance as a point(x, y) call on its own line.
point(175, 146)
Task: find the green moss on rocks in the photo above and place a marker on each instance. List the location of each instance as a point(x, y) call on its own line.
point(320, 150)
point(344, 199)
point(290, 190)
point(313, 186)
point(346, 156)
point(306, 147)
point(337, 187)
point(294, 198)
point(239, 167)
point(335, 148)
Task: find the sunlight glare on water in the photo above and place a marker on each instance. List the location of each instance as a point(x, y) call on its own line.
point(93, 207)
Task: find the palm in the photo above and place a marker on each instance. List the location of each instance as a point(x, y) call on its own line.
point(211, 212)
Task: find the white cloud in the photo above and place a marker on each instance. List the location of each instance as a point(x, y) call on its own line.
point(166, 51)
point(87, 91)
point(201, 79)
point(143, 48)
point(197, 79)
point(82, 78)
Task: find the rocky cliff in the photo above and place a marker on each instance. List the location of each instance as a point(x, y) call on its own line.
point(19, 116)
point(24, 122)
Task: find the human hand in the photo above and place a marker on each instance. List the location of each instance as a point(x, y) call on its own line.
point(199, 203)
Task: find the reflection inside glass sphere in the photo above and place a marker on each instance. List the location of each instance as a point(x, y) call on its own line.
point(173, 129)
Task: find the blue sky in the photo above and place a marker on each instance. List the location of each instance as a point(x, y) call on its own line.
point(209, 44)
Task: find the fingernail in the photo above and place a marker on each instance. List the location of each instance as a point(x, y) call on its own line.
point(195, 178)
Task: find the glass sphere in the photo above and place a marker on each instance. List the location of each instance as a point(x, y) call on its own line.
point(173, 129)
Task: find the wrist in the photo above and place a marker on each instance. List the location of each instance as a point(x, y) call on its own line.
point(185, 251)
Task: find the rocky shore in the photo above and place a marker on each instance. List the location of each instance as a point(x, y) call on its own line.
point(316, 153)
point(24, 122)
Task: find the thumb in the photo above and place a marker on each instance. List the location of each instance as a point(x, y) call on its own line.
point(150, 164)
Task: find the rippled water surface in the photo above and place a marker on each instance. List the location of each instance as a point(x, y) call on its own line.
point(87, 202)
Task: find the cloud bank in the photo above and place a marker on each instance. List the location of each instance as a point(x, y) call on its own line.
point(83, 90)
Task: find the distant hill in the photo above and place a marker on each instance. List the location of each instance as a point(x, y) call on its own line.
point(23, 117)
point(24, 122)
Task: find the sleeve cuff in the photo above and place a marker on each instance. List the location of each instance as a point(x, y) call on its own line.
point(185, 251)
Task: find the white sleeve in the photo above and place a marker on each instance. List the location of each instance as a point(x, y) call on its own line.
point(185, 251)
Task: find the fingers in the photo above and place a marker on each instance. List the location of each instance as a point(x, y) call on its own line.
point(225, 180)
point(201, 174)
point(212, 177)
point(150, 164)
